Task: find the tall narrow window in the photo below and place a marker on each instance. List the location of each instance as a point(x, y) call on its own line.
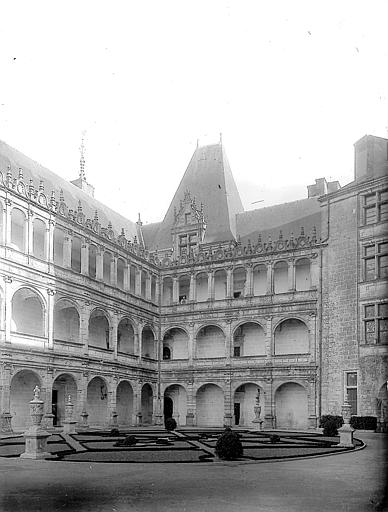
point(376, 261)
point(375, 207)
point(376, 323)
point(351, 390)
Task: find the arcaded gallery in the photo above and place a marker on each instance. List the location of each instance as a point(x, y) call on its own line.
point(190, 317)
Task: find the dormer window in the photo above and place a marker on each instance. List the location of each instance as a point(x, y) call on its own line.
point(187, 218)
point(189, 227)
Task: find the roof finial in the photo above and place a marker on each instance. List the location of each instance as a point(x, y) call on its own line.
point(221, 138)
point(197, 143)
point(82, 159)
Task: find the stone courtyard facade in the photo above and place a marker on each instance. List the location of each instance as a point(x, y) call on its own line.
point(194, 316)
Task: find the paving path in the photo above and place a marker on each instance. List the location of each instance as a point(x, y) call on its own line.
point(350, 482)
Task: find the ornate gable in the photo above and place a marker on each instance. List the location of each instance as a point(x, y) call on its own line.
point(189, 226)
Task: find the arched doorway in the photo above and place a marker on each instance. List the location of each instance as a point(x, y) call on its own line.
point(97, 402)
point(175, 403)
point(63, 386)
point(124, 403)
point(210, 406)
point(245, 402)
point(146, 404)
point(27, 313)
point(21, 393)
point(291, 406)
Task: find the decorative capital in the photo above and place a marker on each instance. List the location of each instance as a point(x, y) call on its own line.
point(51, 292)
point(7, 279)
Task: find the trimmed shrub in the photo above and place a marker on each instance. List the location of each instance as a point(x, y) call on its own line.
point(274, 438)
point(228, 446)
point(114, 432)
point(170, 424)
point(331, 424)
point(127, 441)
point(363, 422)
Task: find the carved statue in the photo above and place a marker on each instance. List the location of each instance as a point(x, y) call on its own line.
point(36, 393)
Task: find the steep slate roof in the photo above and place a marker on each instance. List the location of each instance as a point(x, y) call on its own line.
point(287, 217)
point(209, 180)
point(72, 194)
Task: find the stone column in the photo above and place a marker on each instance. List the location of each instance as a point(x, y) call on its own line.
point(268, 404)
point(140, 341)
point(137, 403)
point(191, 414)
point(3, 227)
point(8, 221)
point(228, 341)
point(85, 257)
point(175, 290)
point(229, 282)
point(312, 402)
point(112, 402)
point(83, 400)
point(100, 263)
point(6, 417)
point(227, 403)
point(269, 278)
point(193, 288)
point(29, 233)
point(50, 241)
point(48, 418)
point(157, 290)
point(113, 270)
point(115, 324)
point(67, 250)
point(269, 349)
point(148, 287)
point(190, 343)
point(84, 326)
point(291, 275)
point(126, 277)
point(138, 273)
point(210, 285)
point(136, 342)
point(50, 318)
point(8, 307)
point(248, 289)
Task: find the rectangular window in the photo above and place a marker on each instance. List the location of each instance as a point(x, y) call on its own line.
point(375, 261)
point(351, 390)
point(236, 351)
point(376, 323)
point(376, 207)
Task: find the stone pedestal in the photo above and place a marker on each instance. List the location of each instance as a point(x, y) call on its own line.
point(257, 422)
point(190, 422)
point(346, 431)
point(228, 420)
point(36, 436)
point(83, 425)
point(113, 423)
point(158, 419)
point(5, 423)
point(69, 424)
point(139, 419)
point(48, 421)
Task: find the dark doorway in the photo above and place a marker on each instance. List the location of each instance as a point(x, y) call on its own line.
point(236, 414)
point(168, 407)
point(54, 401)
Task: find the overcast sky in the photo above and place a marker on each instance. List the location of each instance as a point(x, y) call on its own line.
point(290, 84)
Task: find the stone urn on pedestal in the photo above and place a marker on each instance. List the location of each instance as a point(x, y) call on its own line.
point(346, 431)
point(69, 423)
point(36, 436)
point(258, 422)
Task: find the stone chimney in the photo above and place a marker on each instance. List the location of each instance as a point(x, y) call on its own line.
point(370, 157)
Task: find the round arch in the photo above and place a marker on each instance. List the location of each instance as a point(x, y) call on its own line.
point(21, 393)
point(291, 406)
point(126, 336)
point(99, 329)
point(210, 405)
point(249, 339)
point(210, 341)
point(64, 385)
point(177, 395)
point(124, 402)
point(280, 276)
point(148, 344)
point(291, 336)
point(28, 312)
point(245, 397)
point(176, 341)
point(97, 401)
point(66, 320)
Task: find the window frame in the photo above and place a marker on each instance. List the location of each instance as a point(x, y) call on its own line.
point(376, 320)
point(378, 203)
point(350, 387)
point(377, 256)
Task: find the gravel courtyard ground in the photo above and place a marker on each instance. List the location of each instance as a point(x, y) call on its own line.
point(352, 481)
